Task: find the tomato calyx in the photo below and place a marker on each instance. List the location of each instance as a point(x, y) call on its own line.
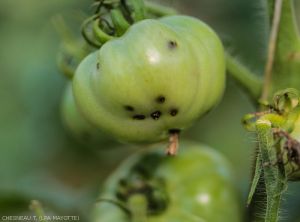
point(142, 182)
point(152, 190)
point(112, 18)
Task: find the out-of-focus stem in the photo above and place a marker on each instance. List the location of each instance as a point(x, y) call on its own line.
point(271, 49)
point(246, 79)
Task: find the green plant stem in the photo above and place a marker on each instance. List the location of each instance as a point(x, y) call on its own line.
point(138, 207)
point(37, 208)
point(62, 29)
point(138, 9)
point(159, 10)
point(281, 71)
point(120, 23)
point(249, 81)
point(271, 49)
point(274, 176)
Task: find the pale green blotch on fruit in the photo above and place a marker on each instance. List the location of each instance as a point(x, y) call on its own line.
point(160, 76)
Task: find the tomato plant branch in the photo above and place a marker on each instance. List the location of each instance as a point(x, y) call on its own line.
point(274, 176)
point(267, 167)
point(249, 81)
point(271, 49)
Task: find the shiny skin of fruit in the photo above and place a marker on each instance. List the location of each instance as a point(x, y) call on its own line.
point(160, 76)
point(196, 185)
point(79, 128)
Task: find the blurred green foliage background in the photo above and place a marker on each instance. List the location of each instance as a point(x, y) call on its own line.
point(39, 160)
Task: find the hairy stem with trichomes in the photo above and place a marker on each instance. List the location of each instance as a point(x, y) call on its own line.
point(280, 72)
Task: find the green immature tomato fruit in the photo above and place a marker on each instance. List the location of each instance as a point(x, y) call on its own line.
point(196, 185)
point(81, 129)
point(159, 77)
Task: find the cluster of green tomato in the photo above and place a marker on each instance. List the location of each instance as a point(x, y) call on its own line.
point(146, 86)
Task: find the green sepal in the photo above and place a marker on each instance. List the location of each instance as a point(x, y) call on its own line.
point(120, 23)
point(286, 100)
point(138, 9)
point(255, 179)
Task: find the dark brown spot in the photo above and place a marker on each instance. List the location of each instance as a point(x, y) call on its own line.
point(161, 99)
point(128, 108)
point(172, 131)
point(98, 65)
point(172, 44)
point(155, 115)
point(286, 95)
point(139, 117)
point(173, 112)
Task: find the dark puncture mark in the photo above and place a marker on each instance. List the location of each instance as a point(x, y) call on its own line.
point(173, 112)
point(172, 44)
point(155, 115)
point(128, 108)
point(161, 99)
point(139, 117)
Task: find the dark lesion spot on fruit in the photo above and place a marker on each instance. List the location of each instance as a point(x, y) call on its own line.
point(172, 131)
point(155, 115)
point(172, 44)
point(173, 112)
point(128, 108)
point(160, 99)
point(98, 65)
point(139, 117)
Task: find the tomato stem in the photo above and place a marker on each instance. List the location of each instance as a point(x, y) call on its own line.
point(248, 80)
point(36, 206)
point(274, 175)
point(271, 49)
point(138, 13)
point(119, 21)
point(173, 144)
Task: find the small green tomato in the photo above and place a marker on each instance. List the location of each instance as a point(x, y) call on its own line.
point(156, 79)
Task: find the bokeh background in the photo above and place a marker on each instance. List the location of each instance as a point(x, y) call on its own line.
point(40, 160)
